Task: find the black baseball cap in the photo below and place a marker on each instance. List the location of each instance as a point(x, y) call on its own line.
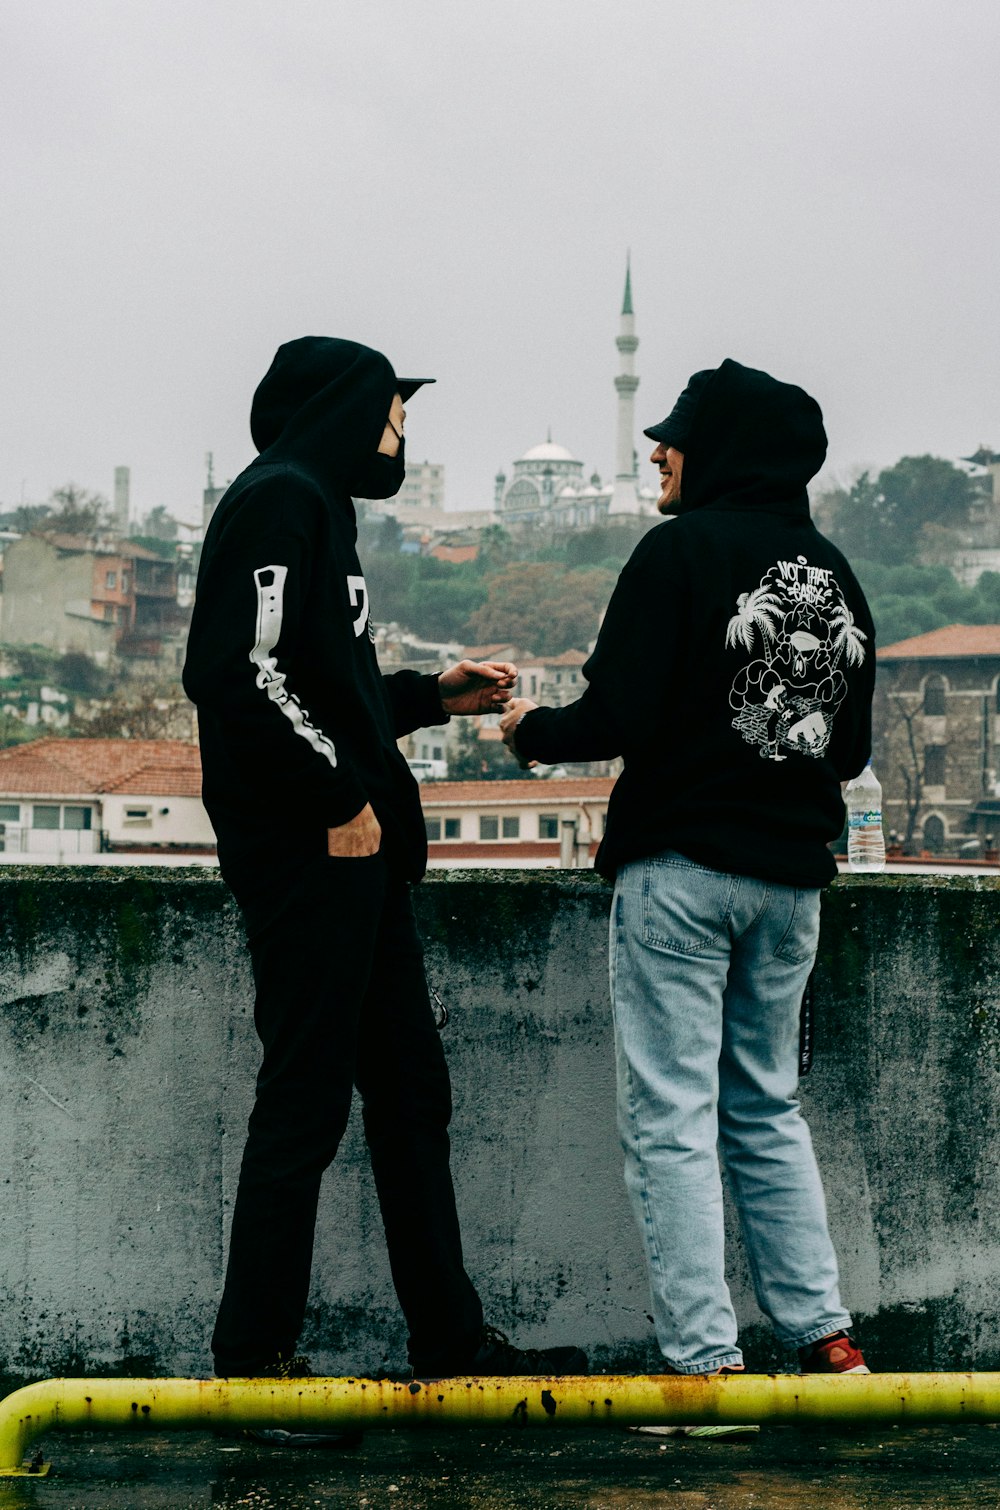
point(406, 387)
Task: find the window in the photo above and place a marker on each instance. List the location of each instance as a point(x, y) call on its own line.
point(111, 580)
point(124, 581)
point(433, 827)
point(10, 812)
point(548, 825)
point(934, 835)
point(512, 828)
point(76, 817)
point(489, 828)
point(934, 693)
point(110, 612)
point(139, 815)
point(453, 828)
point(44, 817)
point(934, 765)
point(438, 752)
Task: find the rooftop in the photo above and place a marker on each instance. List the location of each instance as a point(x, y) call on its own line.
point(147, 767)
point(502, 793)
point(946, 644)
point(548, 451)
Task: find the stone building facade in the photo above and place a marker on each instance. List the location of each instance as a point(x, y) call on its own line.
point(936, 740)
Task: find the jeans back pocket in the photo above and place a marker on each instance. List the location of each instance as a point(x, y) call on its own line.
point(686, 908)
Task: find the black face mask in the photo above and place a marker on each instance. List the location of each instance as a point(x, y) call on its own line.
point(380, 476)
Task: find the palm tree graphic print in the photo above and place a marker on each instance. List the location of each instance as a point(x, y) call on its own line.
point(800, 632)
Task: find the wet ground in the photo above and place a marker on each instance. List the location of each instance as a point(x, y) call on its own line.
point(780, 1467)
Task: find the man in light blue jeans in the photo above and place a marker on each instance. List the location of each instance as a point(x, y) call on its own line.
point(734, 673)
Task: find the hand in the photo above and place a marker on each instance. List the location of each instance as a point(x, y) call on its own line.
point(356, 839)
point(517, 707)
point(476, 686)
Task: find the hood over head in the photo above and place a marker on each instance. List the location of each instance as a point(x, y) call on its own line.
point(323, 404)
point(752, 442)
point(675, 430)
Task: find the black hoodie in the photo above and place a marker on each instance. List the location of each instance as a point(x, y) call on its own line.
point(735, 665)
point(297, 726)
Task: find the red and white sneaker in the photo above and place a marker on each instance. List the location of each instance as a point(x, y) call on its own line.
point(836, 1354)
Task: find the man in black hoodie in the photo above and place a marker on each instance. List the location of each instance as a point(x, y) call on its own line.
point(321, 834)
point(734, 673)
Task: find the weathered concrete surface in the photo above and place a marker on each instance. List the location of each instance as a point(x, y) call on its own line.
point(127, 1058)
point(938, 1468)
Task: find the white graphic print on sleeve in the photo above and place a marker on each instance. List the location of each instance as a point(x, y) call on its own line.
point(270, 582)
point(801, 632)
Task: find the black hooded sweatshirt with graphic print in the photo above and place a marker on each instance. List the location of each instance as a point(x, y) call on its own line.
point(735, 666)
point(297, 726)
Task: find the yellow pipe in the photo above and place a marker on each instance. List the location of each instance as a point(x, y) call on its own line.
point(595, 1400)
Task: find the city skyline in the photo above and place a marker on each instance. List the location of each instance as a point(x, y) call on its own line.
point(185, 188)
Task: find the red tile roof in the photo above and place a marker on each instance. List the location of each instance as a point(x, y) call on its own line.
point(141, 767)
point(568, 658)
point(496, 652)
point(495, 793)
point(454, 553)
point(955, 640)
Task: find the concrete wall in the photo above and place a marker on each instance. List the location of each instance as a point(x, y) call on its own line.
point(127, 1058)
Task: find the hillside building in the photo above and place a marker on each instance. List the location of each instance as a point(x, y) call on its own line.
point(101, 596)
point(937, 740)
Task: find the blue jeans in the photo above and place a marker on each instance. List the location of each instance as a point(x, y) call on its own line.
point(707, 976)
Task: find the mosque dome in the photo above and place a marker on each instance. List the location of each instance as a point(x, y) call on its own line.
point(569, 491)
point(548, 451)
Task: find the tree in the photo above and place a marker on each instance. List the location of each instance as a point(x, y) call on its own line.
point(29, 516)
point(74, 511)
point(894, 726)
point(496, 547)
point(77, 672)
point(158, 525)
point(144, 714)
point(390, 536)
point(475, 759)
point(542, 608)
point(883, 520)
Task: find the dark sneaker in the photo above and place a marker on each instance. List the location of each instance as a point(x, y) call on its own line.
point(497, 1357)
point(277, 1436)
point(274, 1368)
point(836, 1354)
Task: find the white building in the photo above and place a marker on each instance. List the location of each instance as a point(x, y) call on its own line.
point(103, 801)
point(547, 484)
point(507, 824)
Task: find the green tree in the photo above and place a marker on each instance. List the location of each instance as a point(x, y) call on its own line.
point(74, 511)
point(496, 548)
point(542, 608)
point(475, 759)
point(882, 520)
point(29, 516)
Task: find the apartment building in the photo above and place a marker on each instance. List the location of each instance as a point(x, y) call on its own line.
point(506, 824)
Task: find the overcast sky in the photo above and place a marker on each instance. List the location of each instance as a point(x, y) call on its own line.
point(809, 186)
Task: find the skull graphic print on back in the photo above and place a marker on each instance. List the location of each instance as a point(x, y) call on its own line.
point(800, 633)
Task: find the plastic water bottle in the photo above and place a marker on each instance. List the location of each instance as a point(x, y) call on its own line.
point(865, 843)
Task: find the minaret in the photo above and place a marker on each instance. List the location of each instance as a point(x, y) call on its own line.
point(625, 497)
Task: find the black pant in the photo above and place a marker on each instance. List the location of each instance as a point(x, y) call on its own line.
point(342, 1001)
